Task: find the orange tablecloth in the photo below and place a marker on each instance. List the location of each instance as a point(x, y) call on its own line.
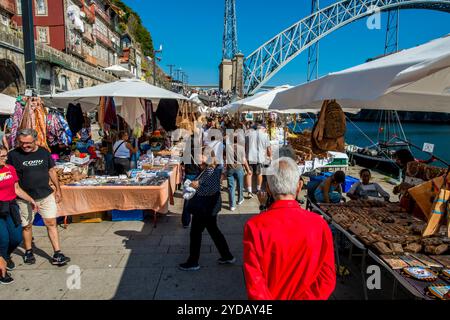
point(79, 200)
point(86, 199)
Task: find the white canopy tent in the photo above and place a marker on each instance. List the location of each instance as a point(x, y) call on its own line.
point(7, 104)
point(417, 79)
point(258, 102)
point(124, 88)
point(120, 71)
point(261, 102)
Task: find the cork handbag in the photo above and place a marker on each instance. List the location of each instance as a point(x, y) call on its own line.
point(328, 133)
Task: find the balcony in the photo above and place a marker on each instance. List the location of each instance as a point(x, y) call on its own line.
point(90, 13)
point(8, 5)
point(89, 37)
point(89, 59)
point(103, 39)
point(102, 14)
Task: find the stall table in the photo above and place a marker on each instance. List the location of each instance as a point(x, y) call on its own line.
point(415, 287)
point(87, 199)
point(352, 238)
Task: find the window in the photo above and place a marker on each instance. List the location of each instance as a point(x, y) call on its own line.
point(43, 35)
point(4, 19)
point(64, 83)
point(19, 7)
point(41, 7)
point(45, 86)
point(81, 83)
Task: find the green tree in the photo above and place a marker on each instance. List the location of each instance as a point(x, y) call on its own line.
point(132, 22)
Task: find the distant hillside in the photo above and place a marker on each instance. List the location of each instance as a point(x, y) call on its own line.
point(132, 22)
point(374, 115)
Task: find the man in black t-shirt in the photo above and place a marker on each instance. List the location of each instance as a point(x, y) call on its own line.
point(35, 168)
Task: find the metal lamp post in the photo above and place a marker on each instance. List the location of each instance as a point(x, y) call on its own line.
point(154, 62)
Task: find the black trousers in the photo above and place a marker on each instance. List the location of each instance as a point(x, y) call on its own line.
point(199, 223)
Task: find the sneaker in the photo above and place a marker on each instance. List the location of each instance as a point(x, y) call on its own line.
point(233, 209)
point(240, 202)
point(250, 195)
point(59, 259)
point(29, 258)
point(6, 279)
point(189, 266)
point(226, 261)
point(10, 265)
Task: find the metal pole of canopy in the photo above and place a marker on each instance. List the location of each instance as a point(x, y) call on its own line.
point(28, 44)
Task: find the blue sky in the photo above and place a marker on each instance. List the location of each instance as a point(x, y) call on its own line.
point(191, 34)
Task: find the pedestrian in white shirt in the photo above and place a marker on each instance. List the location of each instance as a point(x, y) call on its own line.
point(259, 155)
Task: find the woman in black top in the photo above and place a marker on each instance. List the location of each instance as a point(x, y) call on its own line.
point(191, 171)
point(205, 205)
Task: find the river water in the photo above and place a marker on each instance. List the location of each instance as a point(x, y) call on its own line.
point(416, 133)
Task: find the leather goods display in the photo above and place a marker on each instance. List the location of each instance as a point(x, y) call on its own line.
point(329, 131)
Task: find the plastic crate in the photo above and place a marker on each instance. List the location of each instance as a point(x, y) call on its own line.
point(39, 222)
point(338, 162)
point(349, 182)
point(129, 215)
point(318, 178)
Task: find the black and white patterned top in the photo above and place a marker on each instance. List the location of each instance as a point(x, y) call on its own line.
point(209, 182)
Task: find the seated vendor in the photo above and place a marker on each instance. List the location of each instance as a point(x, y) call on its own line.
point(122, 152)
point(367, 190)
point(330, 190)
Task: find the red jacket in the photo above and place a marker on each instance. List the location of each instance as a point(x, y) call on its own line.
point(288, 255)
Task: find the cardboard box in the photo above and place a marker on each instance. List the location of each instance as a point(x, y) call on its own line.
point(94, 217)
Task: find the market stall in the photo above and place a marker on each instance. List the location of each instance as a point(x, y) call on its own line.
point(146, 190)
point(393, 238)
point(147, 113)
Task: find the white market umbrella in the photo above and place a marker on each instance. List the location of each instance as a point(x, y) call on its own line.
point(258, 102)
point(124, 88)
point(417, 79)
point(7, 104)
point(120, 71)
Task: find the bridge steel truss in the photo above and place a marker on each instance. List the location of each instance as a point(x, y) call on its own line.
point(261, 65)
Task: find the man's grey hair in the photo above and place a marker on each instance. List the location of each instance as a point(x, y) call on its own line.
point(27, 132)
point(284, 177)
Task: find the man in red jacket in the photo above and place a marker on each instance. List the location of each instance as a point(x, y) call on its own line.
point(288, 251)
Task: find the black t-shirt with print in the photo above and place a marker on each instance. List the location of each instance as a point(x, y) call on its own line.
point(33, 171)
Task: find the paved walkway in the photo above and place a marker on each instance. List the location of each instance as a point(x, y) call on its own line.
point(133, 260)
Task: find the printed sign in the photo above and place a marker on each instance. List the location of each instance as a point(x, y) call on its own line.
point(428, 147)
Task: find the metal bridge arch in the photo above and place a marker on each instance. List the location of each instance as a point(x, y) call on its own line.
point(273, 55)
